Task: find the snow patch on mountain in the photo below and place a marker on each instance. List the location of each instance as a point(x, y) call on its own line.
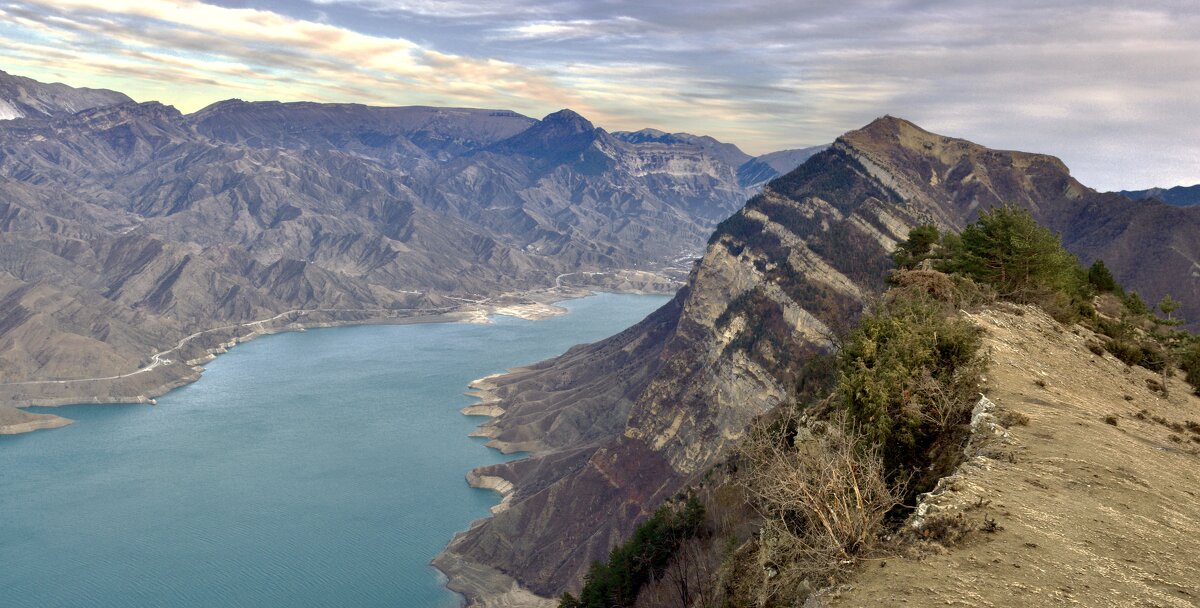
point(8, 112)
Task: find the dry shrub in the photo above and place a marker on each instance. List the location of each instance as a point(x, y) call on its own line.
point(931, 282)
point(1156, 386)
point(953, 289)
point(823, 496)
point(946, 529)
point(1011, 418)
point(690, 579)
point(728, 512)
point(945, 407)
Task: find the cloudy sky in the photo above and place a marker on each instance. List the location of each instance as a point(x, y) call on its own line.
point(1113, 88)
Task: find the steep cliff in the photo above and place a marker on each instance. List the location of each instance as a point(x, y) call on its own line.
point(617, 427)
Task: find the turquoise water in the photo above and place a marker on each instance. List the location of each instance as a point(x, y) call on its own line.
point(322, 468)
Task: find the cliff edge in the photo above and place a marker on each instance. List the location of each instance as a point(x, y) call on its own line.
point(1094, 500)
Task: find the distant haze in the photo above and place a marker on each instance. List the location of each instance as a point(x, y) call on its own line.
point(1110, 87)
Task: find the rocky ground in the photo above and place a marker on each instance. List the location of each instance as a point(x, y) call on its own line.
point(1096, 500)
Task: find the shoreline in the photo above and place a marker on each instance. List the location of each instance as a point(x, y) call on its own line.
point(480, 585)
point(483, 586)
point(172, 374)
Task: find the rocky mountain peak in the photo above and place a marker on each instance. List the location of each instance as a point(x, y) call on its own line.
point(728, 153)
point(558, 138)
point(567, 121)
point(22, 97)
point(898, 137)
point(222, 106)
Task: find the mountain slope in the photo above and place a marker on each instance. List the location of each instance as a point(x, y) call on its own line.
point(22, 97)
point(778, 280)
point(762, 169)
point(1150, 246)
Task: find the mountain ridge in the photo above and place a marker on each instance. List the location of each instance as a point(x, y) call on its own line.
point(1180, 196)
point(22, 97)
point(777, 281)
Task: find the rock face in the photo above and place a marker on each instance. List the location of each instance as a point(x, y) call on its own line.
point(618, 426)
point(752, 171)
point(125, 228)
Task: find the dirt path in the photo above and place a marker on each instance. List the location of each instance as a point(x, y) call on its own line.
point(1091, 513)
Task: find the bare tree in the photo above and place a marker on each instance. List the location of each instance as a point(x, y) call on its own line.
point(823, 495)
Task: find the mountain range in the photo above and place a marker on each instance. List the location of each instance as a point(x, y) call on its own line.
point(1180, 196)
point(136, 237)
point(617, 427)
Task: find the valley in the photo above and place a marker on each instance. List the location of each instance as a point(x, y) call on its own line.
point(138, 241)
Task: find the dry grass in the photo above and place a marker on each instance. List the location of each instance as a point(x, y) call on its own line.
point(1010, 418)
point(823, 497)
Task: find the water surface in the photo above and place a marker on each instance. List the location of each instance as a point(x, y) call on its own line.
point(322, 468)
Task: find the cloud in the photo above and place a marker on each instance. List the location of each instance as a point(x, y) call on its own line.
point(1111, 88)
point(249, 49)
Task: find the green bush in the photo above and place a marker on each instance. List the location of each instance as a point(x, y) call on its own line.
point(1101, 279)
point(908, 376)
point(1190, 362)
point(1007, 249)
point(1136, 304)
point(918, 247)
point(1129, 351)
point(639, 560)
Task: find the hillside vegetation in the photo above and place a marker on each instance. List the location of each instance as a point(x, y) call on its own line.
point(842, 474)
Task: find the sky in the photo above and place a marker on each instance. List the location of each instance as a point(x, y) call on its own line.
point(1111, 87)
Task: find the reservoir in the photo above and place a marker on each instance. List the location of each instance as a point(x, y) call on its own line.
point(322, 468)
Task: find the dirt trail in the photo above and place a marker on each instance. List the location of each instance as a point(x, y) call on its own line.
point(1091, 513)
